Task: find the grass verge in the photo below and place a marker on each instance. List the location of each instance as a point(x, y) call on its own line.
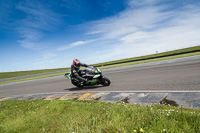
point(95, 117)
point(152, 60)
point(26, 73)
point(179, 51)
point(32, 78)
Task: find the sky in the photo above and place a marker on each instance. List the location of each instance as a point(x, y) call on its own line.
point(46, 34)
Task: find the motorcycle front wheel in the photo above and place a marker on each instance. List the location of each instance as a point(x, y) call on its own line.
point(105, 81)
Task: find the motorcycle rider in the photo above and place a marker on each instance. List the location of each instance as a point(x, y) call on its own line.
point(75, 72)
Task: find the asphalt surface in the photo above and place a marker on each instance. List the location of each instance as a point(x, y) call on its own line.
point(176, 75)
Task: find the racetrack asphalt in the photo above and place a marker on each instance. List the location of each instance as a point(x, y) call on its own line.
point(175, 75)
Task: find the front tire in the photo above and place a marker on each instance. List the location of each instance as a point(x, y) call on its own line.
point(105, 81)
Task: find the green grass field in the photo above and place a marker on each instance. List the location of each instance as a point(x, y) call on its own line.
point(37, 116)
point(154, 55)
point(25, 73)
point(151, 60)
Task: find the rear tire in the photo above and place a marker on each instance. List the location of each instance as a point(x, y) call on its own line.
point(77, 84)
point(105, 81)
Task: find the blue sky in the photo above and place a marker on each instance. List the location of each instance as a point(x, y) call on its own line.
point(45, 34)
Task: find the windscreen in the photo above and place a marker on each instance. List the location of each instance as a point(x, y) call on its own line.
point(90, 71)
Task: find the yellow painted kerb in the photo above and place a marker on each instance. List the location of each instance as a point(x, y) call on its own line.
point(84, 96)
point(63, 97)
point(54, 97)
point(49, 97)
point(4, 98)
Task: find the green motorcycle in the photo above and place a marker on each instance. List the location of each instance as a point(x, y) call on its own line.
point(94, 76)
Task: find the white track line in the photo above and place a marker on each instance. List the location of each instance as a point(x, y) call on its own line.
point(69, 92)
point(121, 92)
point(135, 91)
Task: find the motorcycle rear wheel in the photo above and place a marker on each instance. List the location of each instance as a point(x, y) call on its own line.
point(77, 84)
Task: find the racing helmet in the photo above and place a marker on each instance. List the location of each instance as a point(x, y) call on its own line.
point(76, 63)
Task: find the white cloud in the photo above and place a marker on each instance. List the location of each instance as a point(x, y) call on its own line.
point(46, 59)
point(94, 32)
point(75, 44)
point(142, 2)
point(30, 38)
point(29, 44)
point(38, 17)
point(147, 29)
point(131, 20)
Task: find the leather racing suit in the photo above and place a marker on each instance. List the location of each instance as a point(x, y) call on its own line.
point(75, 73)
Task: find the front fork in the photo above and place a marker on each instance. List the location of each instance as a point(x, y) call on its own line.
point(101, 78)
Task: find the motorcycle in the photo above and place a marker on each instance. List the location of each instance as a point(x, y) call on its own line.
point(94, 76)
